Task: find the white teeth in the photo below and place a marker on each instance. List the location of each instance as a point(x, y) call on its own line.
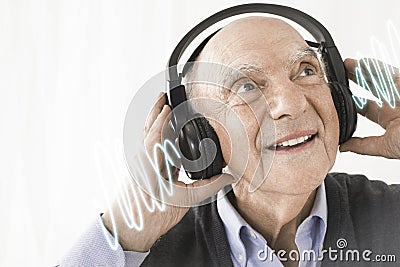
point(286, 143)
point(295, 141)
point(292, 142)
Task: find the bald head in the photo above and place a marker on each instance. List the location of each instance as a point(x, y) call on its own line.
point(248, 34)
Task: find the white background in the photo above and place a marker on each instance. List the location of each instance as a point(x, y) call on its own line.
point(68, 70)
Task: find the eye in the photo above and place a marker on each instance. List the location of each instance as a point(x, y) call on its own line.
point(245, 91)
point(306, 72)
point(245, 87)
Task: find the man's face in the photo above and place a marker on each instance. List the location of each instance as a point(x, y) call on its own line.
point(282, 87)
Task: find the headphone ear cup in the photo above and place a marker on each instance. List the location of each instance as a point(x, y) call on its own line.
point(190, 137)
point(345, 108)
point(207, 131)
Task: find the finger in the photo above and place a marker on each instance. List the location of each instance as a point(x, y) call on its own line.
point(155, 131)
point(370, 68)
point(187, 195)
point(155, 110)
point(156, 148)
point(350, 65)
point(373, 146)
point(148, 177)
point(382, 80)
point(144, 173)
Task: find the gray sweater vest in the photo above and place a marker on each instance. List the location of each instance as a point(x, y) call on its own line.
point(365, 213)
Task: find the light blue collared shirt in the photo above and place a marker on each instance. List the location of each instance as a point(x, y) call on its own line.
point(249, 248)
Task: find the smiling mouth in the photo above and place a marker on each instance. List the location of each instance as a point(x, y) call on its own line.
point(293, 143)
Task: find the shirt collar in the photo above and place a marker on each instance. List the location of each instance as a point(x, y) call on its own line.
point(316, 222)
point(320, 207)
point(234, 222)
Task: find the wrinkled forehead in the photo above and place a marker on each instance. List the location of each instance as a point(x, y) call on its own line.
point(249, 38)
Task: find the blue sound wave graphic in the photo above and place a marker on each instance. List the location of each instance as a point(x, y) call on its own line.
point(378, 77)
point(135, 205)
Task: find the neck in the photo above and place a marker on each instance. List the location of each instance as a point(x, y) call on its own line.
point(274, 215)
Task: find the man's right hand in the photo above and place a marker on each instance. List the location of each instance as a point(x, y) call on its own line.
point(158, 222)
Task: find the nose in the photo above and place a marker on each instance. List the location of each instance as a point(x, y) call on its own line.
point(286, 100)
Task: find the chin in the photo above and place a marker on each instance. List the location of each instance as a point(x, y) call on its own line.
point(292, 181)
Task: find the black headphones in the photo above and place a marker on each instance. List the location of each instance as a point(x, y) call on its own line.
point(190, 133)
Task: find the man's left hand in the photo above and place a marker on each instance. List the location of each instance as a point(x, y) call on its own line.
point(387, 145)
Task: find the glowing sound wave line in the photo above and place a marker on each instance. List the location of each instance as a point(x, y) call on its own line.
point(382, 81)
point(126, 208)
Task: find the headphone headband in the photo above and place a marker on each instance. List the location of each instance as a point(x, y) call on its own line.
point(316, 29)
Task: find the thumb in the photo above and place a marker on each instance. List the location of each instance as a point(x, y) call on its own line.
point(203, 189)
point(372, 146)
point(187, 195)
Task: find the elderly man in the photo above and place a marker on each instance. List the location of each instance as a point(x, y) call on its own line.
point(299, 207)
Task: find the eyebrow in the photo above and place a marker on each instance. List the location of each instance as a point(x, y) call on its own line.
point(301, 53)
point(250, 68)
point(242, 69)
point(308, 51)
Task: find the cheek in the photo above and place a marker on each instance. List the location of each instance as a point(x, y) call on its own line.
point(330, 122)
point(248, 122)
point(245, 155)
point(237, 130)
point(224, 139)
point(334, 130)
